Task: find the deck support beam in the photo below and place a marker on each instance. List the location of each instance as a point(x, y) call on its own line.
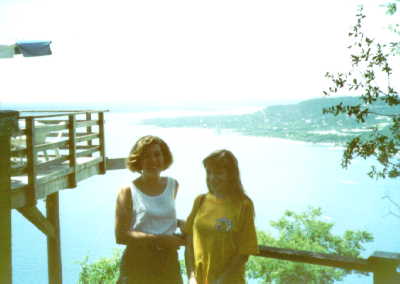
point(54, 243)
point(8, 124)
point(36, 217)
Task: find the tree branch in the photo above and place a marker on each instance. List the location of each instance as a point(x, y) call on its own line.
point(397, 205)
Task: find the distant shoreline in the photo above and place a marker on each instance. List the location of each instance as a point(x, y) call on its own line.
point(303, 121)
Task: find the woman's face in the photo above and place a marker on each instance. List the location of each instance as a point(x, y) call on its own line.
point(217, 180)
point(152, 160)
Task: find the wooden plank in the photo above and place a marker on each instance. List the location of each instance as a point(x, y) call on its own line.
point(89, 163)
point(116, 163)
point(89, 129)
point(78, 134)
point(61, 179)
point(51, 128)
point(54, 183)
point(62, 182)
point(58, 113)
point(80, 123)
point(54, 243)
point(384, 266)
point(45, 165)
point(72, 149)
point(53, 186)
point(392, 257)
point(54, 121)
point(36, 217)
point(80, 147)
point(88, 152)
point(55, 175)
point(87, 137)
point(89, 171)
point(102, 142)
point(52, 145)
point(86, 123)
point(350, 263)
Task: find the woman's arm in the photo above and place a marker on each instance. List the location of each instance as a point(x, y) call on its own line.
point(123, 220)
point(179, 222)
point(189, 259)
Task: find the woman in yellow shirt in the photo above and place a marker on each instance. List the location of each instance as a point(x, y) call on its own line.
point(220, 229)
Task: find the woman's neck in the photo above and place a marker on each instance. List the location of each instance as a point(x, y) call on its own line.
point(150, 179)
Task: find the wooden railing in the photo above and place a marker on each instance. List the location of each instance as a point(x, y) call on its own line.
point(383, 265)
point(53, 151)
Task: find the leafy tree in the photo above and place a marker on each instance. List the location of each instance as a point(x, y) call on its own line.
point(305, 231)
point(105, 270)
point(371, 78)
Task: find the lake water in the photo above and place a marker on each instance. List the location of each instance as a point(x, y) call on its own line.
point(277, 174)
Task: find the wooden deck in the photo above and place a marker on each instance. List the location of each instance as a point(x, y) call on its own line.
point(54, 151)
point(44, 152)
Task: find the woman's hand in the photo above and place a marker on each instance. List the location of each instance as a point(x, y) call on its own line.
point(180, 224)
point(169, 241)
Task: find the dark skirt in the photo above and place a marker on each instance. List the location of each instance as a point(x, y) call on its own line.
point(148, 265)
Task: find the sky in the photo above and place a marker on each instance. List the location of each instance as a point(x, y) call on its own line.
point(178, 51)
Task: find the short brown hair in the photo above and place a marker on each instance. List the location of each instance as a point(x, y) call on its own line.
point(133, 162)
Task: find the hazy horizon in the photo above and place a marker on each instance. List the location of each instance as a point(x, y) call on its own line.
point(179, 52)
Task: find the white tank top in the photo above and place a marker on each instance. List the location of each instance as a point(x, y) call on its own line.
point(154, 214)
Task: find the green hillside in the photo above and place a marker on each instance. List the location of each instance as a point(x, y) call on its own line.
point(303, 121)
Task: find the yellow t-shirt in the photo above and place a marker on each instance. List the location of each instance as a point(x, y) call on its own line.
point(221, 230)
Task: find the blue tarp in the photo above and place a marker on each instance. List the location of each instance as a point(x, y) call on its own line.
point(34, 48)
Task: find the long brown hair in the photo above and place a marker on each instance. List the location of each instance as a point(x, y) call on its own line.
point(226, 160)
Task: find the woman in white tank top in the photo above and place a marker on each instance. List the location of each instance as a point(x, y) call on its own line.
point(146, 217)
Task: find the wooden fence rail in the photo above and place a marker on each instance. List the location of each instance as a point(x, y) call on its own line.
point(383, 265)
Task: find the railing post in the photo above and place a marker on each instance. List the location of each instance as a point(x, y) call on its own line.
point(72, 149)
point(384, 266)
point(102, 143)
point(89, 130)
point(8, 123)
point(32, 159)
